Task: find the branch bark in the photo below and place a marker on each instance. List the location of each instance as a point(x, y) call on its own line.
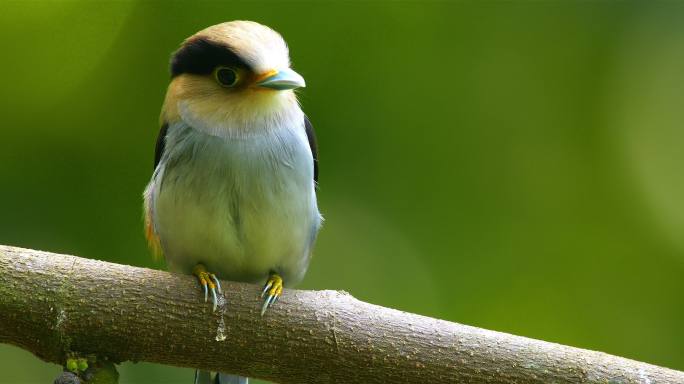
point(54, 305)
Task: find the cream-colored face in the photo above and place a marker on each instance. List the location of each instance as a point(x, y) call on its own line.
point(205, 97)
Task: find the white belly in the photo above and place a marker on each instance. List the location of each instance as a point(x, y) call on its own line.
point(243, 207)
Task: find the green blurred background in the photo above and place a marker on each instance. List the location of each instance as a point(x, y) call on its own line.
point(512, 166)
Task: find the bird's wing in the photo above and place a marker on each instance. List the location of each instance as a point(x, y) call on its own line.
point(161, 143)
point(150, 233)
point(311, 136)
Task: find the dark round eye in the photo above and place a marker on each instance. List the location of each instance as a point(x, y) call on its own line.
point(226, 76)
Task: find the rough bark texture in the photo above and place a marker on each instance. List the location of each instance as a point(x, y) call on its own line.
point(53, 304)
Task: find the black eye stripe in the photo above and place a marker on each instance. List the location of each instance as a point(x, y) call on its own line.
point(200, 56)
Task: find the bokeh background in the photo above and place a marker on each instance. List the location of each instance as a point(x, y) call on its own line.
point(512, 166)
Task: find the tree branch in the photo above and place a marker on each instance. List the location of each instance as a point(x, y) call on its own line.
point(53, 305)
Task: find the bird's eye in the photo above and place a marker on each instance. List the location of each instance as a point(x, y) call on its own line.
point(227, 77)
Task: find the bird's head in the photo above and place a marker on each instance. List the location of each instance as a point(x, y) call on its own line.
point(231, 78)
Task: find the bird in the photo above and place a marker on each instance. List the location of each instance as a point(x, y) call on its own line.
point(233, 190)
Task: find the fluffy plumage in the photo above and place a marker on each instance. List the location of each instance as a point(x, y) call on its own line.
point(233, 185)
point(234, 182)
point(243, 208)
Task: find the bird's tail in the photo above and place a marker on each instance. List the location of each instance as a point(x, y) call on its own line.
point(205, 377)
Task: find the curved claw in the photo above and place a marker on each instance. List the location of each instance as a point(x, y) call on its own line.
point(213, 297)
point(209, 282)
point(266, 305)
point(266, 287)
point(270, 300)
point(216, 281)
point(274, 288)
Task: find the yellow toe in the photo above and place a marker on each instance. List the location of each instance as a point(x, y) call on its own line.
point(272, 291)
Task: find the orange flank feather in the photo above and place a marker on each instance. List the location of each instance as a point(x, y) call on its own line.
point(151, 236)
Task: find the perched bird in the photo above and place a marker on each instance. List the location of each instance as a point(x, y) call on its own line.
point(232, 194)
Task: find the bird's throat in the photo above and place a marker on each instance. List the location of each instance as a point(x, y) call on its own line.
point(241, 114)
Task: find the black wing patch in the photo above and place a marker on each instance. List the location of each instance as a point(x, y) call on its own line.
point(311, 135)
point(161, 143)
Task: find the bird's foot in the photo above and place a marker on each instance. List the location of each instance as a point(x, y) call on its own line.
point(209, 282)
point(272, 291)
